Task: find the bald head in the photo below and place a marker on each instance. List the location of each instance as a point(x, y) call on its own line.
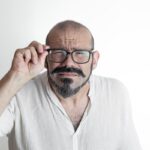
point(69, 27)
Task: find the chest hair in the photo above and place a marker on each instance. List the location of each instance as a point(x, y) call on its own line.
point(76, 113)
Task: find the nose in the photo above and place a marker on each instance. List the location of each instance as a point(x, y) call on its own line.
point(68, 61)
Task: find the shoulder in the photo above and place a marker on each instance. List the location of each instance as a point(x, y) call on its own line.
point(110, 93)
point(109, 86)
point(106, 82)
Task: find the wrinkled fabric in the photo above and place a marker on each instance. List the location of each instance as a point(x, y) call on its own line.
point(36, 120)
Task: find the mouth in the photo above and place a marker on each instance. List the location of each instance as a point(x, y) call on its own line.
point(67, 74)
point(67, 71)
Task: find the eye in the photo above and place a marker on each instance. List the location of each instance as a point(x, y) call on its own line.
point(56, 52)
point(81, 53)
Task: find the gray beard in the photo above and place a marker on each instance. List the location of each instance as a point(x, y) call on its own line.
point(65, 90)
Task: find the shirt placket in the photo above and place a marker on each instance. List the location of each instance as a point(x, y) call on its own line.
point(76, 134)
point(75, 141)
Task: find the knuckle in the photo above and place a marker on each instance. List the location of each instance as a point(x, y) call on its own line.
point(33, 42)
point(35, 45)
point(27, 51)
point(18, 52)
point(31, 48)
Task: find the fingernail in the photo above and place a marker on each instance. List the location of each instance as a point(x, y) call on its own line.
point(47, 46)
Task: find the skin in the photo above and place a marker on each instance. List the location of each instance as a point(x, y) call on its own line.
point(26, 64)
point(70, 40)
point(29, 61)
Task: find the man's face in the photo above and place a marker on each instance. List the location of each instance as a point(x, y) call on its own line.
point(68, 77)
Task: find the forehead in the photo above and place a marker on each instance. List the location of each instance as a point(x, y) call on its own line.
point(70, 38)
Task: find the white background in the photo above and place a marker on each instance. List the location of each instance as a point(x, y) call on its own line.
point(122, 34)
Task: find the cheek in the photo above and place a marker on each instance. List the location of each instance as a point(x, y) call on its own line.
point(87, 68)
point(52, 66)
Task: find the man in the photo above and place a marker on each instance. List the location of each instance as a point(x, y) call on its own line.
point(65, 108)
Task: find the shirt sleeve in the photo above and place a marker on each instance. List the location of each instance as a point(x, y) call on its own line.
point(129, 136)
point(7, 119)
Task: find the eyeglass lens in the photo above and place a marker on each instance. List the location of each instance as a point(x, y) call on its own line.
point(78, 56)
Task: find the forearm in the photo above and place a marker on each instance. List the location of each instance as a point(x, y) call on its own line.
point(27, 63)
point(9, 85)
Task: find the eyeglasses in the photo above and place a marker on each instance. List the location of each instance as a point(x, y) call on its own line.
point(60, 55)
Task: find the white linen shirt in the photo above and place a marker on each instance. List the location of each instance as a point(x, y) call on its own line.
point(36, 120)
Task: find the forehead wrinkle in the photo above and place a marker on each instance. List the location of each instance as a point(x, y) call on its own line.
point(70, 43)
point(69, 38)
point(64, 43)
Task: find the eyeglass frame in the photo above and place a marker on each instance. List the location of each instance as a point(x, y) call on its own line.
point(71, 53)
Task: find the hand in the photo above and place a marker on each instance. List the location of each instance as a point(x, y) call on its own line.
point(29, 61)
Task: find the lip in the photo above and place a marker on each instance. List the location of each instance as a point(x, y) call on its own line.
point(68, 74)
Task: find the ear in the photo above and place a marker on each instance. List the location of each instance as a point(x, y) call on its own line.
point(96, 56)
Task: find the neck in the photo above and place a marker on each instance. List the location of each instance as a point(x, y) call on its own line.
point(75, 105)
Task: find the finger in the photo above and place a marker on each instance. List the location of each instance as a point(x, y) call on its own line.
point(34, 55)
point(42, 57)
point(38, 46)
point(18, 56)
point(27, 55)
point(46, 47)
